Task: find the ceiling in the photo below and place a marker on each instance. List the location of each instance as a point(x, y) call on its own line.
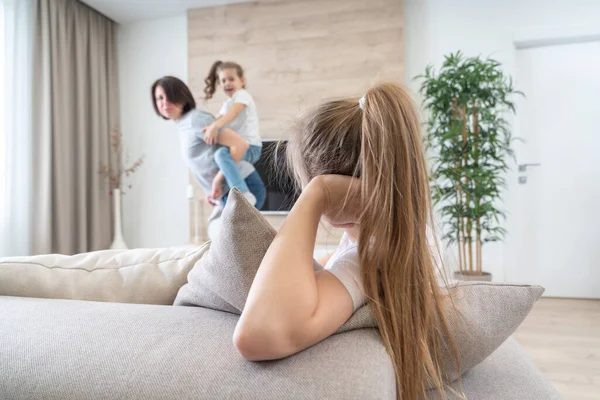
point(123, 11)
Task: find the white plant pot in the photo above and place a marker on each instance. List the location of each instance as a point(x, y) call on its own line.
point(118, 241)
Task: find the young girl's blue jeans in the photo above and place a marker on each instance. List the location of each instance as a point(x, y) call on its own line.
point(231, 170)
point(257, 188)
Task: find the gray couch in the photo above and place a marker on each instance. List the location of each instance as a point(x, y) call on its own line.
point(100, 325)
point(71, 349)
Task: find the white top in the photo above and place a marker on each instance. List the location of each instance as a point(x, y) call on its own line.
point(345, 265)
point(246, 123)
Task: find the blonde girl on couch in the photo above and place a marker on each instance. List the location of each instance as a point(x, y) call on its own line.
point(361, 167)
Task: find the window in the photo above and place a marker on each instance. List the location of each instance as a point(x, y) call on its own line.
point(15, 104)
point(2, 119)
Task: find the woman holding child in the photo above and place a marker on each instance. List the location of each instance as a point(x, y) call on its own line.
point(213, 152)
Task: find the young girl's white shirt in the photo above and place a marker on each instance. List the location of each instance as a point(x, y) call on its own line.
point(344, 264)
point(246, 123)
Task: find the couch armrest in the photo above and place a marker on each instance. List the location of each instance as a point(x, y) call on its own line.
point(144, 276)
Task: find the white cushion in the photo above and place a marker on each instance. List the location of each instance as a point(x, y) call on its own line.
point(144, 276)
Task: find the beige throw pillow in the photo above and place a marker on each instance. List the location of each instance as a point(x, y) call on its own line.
point(144, 276)
point(488, 313)
point(222, 278)
point(484, 316)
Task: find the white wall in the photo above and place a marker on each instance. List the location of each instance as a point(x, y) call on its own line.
point(434, 28)
point(155, 211)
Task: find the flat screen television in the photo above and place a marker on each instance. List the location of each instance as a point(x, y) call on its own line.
point(281, 193)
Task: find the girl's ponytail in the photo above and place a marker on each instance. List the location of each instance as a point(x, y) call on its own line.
point(397, 265)
point(378, 140)
point(211, 80)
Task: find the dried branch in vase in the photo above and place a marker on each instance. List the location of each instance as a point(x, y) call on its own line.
point(116, 176)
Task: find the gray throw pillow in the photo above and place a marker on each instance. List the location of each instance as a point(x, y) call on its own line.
point(481, 317)
point(222, 278)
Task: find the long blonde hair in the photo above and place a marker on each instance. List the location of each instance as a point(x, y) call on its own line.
point(382, 146)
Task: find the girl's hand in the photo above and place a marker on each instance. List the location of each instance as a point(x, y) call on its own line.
point(210, 133)
point(340, 196)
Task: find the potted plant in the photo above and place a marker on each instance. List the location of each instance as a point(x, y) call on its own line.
point(116, 182)
point(470, 143)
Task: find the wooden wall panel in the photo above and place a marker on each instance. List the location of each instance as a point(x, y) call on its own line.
point(297, 53)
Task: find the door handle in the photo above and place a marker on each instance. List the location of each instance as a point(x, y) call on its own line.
point(523, 167)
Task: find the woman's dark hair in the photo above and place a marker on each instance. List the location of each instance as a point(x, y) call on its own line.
point(176, 91)
point(213, 76)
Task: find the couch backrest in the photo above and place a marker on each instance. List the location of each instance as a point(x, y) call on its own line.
point(144, 276)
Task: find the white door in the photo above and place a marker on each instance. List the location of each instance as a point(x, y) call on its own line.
point(554, 217)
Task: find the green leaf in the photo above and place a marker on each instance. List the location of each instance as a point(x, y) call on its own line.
point(468, 176)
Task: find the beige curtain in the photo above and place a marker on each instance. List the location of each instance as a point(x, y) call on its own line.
point(75, 108)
